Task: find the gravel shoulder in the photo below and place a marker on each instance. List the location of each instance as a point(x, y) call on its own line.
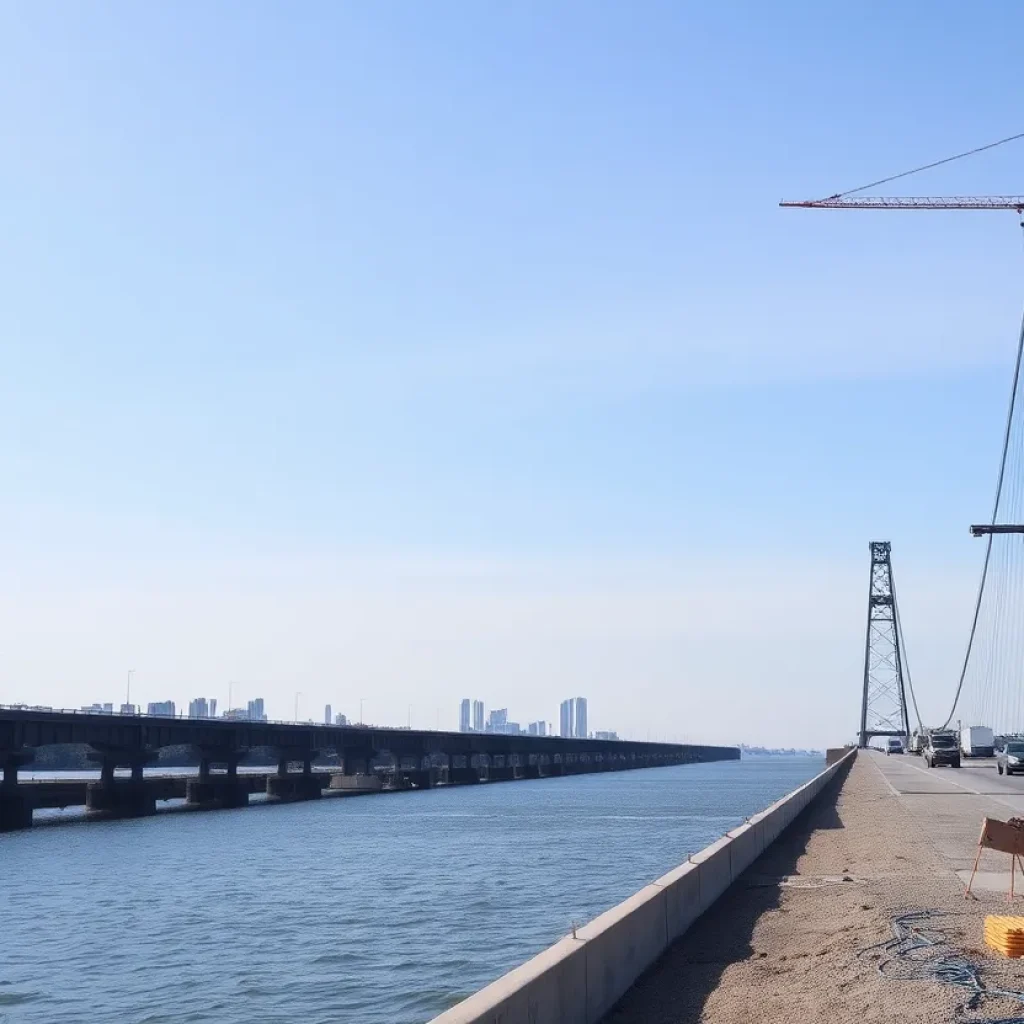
point(789, 941)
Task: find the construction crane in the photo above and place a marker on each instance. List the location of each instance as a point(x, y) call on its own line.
point(844, 201)
point(851, 201)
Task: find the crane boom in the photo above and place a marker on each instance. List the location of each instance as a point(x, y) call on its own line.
point(847, 202)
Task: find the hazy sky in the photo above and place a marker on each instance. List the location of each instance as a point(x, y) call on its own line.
point(419, 351)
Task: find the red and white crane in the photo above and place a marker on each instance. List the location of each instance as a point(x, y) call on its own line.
point(850, 200)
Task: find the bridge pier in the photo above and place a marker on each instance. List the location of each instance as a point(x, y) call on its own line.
point(465, 775)
point(120, 798)
point(211, 791)
point(15, 810)
point(287, 786)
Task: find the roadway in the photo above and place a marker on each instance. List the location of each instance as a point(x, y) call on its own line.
point(948, 805)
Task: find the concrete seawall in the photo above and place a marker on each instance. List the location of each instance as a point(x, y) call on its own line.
point(579, 979)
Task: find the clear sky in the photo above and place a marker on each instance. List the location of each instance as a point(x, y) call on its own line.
point(409, 352)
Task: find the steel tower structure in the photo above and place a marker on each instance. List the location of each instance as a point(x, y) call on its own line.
point(883, 710)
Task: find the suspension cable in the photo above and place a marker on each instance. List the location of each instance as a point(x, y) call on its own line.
point(995, 512)
point(903, 647)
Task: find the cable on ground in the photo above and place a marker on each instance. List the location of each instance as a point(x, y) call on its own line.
point(919, 951)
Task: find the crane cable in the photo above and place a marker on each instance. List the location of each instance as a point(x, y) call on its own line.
point(928, 167)
point(995, 512)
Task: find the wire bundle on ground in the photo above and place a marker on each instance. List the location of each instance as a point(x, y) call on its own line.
point(919, 951)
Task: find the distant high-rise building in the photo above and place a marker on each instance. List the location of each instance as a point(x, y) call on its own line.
point(340, 719)
point(108, 709)
point(256, 713)
point(127, 709)
point(327, 715)
point(497, 720)
point(565, 720)
point(478, 716)
point(213, 707)
point(464, 715)
point(580, 718)
point(96, 709)
point(161, 707)
point(199, 708)
point(606, 735)
point(237, 715)
point(512, 729)
point(538, 728)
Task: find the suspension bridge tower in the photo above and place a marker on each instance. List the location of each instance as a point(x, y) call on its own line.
point(883, 710)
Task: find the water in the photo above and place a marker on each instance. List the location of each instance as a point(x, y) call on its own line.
point(376, 910)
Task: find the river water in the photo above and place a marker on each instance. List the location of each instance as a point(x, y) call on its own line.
point(372, 910)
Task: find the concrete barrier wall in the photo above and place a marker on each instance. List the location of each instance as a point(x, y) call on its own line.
point(579, 979)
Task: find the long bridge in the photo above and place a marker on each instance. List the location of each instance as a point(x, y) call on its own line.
point(409, 757)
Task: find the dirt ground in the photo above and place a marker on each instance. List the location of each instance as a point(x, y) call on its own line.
point(789, 941)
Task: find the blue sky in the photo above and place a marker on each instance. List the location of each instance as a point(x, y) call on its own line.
point(419, 351)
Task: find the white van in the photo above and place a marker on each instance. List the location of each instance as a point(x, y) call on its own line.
point(894, 746)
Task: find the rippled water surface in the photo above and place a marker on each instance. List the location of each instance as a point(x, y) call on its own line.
point(378, 910)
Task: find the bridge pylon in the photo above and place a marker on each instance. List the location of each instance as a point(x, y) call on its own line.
point(883, 710)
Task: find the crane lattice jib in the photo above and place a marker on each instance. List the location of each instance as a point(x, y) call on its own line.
point(842, 202)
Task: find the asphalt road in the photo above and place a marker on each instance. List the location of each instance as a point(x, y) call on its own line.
point(949, 805)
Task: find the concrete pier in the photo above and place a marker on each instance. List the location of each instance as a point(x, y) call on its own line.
point(15, 810)
point(116, 797)
point(216, 792)
point(301, 785)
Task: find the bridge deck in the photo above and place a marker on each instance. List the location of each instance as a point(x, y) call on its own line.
point(783, 944)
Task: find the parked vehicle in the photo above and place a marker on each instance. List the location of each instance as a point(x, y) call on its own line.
point(894, 746)
point(976, 741)
point(1010, 757)
point(942, 748)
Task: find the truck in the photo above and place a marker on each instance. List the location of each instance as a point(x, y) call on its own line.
point(942, 747)
point(977, 741)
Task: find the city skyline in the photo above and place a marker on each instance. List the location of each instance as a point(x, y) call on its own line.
point(572, 715)
point(470, 712)
point(498, 720)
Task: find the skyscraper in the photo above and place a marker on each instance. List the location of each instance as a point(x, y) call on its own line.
point(538, 728)
point(213, 707)
point(565, 729)
point(497, 721)
point(327, 715)
point(256, 710)
point(478, 716)
point(161, 707)
point(464, 715)
point(199, 708)
point(580, 715)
